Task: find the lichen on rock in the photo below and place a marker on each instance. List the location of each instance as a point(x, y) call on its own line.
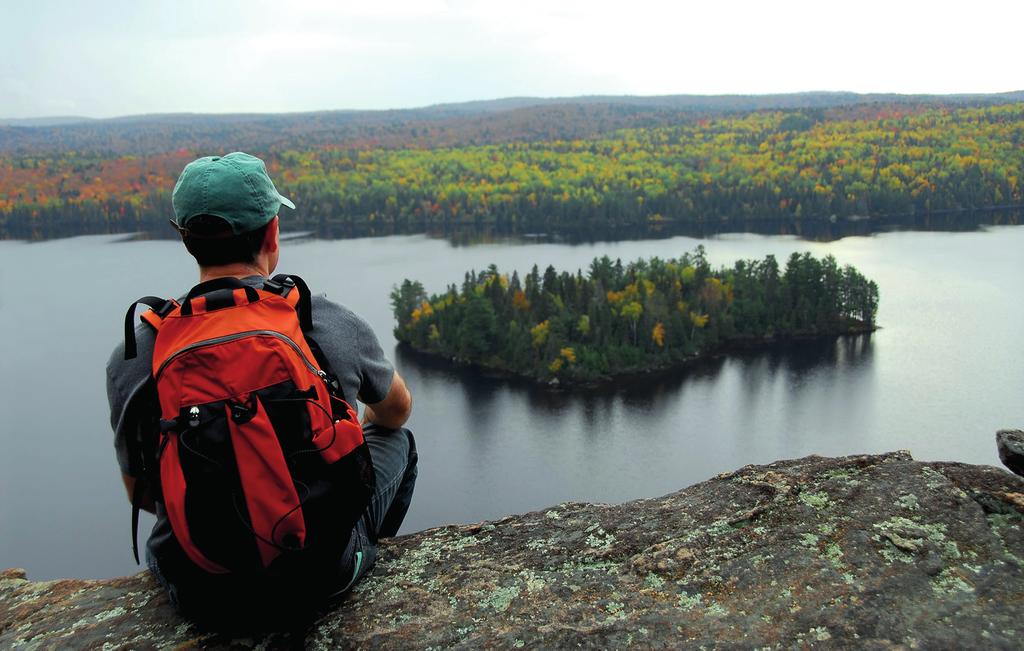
point(863, 551)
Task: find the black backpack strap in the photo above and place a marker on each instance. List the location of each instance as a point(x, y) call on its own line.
point(137, 491)
point(144, 410)
point(282, 285)
point(161, 306)
point(333, 383)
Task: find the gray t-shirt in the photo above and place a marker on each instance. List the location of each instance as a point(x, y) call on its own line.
point(346, 339)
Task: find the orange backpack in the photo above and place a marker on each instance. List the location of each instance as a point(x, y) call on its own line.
point(261, 462)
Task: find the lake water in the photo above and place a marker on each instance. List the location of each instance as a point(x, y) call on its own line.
point(943, 374)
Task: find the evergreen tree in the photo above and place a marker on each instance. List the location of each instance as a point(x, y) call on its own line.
point(626, 318)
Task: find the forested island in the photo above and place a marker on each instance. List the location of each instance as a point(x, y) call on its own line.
point(539, 175)
point(619, 319)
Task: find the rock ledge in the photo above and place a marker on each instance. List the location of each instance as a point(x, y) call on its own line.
point(866, 551)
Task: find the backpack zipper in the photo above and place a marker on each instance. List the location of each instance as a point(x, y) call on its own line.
point(240, 335)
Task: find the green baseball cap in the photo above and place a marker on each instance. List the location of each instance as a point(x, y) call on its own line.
point(234, 187)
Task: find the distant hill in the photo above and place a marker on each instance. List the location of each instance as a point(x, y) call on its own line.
point(442, 125)
point(53, 121)
point(811, 99)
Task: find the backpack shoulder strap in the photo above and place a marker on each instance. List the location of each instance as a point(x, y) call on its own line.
point(144, 411)
point(294, 290)
point(161, 308)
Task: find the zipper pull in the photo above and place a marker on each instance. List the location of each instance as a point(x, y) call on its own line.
point(332, 382)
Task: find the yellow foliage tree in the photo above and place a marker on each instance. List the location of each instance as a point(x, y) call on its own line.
point(658, 334)
point(423, 310)
point(539, 333)
point(716, 293)
point(519, 301)
point(583, 325)
point(632, 312)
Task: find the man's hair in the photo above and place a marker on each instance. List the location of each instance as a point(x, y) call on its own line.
point(212, 243)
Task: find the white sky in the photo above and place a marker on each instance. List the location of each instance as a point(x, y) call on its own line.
point(116, 57)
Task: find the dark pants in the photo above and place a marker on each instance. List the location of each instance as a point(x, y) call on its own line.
point(394, 463)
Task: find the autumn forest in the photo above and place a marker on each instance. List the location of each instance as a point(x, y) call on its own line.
point(799, 164)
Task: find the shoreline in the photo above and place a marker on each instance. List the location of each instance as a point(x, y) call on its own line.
point(554, 384)
point(699, 227)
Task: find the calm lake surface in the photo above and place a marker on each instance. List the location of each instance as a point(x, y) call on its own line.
point(944, 373)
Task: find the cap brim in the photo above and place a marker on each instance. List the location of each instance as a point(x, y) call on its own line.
point(285, 201)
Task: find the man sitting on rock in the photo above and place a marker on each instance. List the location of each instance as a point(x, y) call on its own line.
point(226, 211)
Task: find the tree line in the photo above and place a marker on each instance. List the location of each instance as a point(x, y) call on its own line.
point(625, 318)
point(796, 165)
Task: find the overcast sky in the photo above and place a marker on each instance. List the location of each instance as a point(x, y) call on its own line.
point(120, 57)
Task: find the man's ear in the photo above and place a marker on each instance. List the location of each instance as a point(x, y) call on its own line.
point(182, 232)
point(271, 241)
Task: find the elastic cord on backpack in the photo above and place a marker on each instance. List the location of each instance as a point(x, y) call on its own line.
point(273, 530)
point(181, 439)
point(334, 427)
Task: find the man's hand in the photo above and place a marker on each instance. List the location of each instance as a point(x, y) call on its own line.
point(394, 409)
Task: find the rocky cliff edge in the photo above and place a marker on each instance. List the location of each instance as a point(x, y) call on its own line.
point(866, 551)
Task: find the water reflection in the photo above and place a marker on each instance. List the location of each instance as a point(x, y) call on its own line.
point(826, 229)
point(662, 431)
point(797, 365)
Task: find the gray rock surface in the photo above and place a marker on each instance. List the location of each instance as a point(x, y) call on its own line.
point(865, 551)
point(1010, 443)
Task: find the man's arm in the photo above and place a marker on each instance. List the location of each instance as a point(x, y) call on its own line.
point(394, 409)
